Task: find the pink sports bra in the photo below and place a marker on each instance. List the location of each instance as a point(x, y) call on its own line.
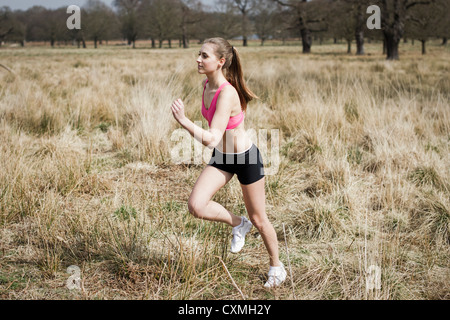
point(209, 113)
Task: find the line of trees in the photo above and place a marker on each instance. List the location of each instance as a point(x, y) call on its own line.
point(183, 20)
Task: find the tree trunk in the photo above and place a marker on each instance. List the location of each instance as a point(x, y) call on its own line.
point(306, 40)
point(444, 41)
point(244, 29)
point(153, 43)
point(392, 42)
point(359, 42)
point(424, 49)
point(349, 46)
point(83, 40)
point(393, 31)
point(185, 40)
point(359, 30)
point(95, 42)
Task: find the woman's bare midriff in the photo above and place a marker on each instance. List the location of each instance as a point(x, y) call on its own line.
point(235, 140)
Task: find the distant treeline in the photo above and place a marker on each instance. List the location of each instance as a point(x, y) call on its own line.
point(182, 20)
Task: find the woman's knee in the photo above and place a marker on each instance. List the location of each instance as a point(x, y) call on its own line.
point(196, 207)
point(259, 221)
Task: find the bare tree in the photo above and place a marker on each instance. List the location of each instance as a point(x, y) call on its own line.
point(99, 20)
point(265, 19)
point(348, 21)
point(131, 24)
point(191, 13)
point(162, 20)
point(394, 14)
point(343, 27)
point(425, 21)
point(12, 25)
point(224, 22)
point(310, 17)
point(442, 20)
point(360, 7)
point(6, 23)
point(245, 7)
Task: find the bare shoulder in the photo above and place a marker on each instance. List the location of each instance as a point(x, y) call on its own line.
point(229, 93)
point(228, 100)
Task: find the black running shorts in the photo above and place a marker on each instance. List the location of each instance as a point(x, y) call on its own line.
point(248, 165)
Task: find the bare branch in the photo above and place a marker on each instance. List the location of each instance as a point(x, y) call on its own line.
point(285, 4)
point(412, 4)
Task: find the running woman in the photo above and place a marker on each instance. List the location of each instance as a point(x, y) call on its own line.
point(224, 105)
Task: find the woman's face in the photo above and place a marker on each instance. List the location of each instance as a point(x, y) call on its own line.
point(207, 60)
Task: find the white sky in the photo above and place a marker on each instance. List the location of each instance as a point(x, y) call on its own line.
point(53, 4)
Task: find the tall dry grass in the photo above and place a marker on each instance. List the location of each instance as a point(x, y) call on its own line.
point(87, 177)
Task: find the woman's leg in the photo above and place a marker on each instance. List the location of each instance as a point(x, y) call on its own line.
point(200, 204)
point(255, 203)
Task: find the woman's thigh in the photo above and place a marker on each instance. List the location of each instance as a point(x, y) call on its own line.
point(208, 183)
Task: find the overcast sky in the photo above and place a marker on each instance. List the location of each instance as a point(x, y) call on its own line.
point(53, 4)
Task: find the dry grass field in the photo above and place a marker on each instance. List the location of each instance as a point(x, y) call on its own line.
point(360, 199)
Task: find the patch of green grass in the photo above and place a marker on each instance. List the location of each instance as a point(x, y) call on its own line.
point(125, 213)
point(423, 176)
point(354, 155)
point(104, 126)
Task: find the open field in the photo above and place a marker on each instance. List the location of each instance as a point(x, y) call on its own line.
point(87, 179)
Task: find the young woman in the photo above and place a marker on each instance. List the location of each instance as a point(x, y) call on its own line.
point(224, 104)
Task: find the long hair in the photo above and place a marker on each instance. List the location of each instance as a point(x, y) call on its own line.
point(233, 69)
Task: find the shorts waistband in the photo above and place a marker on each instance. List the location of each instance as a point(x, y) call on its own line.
point(236, 153)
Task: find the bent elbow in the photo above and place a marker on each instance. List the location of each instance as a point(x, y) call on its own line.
point(213, 141)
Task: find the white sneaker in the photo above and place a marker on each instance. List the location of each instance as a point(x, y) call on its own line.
point(277, 275)
point(239, 233)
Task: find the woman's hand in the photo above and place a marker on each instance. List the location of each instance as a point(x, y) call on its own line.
point(178, 110)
